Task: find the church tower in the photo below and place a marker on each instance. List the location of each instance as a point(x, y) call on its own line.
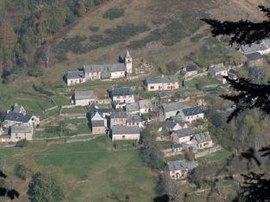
point(128, 63)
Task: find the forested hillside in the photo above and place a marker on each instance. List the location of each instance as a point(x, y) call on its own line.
point(27, 24)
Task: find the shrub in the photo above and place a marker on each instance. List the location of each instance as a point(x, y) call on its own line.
point(22, 172)
point(114, 13)
point(93, 28)
point(35, 72)
point(22, 143)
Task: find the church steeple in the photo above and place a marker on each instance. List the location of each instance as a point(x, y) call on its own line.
point(128, 63)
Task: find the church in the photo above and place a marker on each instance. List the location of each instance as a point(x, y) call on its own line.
point(100, 72)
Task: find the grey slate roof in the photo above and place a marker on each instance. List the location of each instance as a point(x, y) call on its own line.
point(117, 67)
point(147, 103)
point(82, 95)
point(97, 123)
point(176, 145)
point(101, 111)
point(255, 47)
point(14, 116)
point(170, 124)
point(190, 68)
point(202, 137)
point(164, 94)
point(162, 79)
point(172, 106)
point(74, 74)
point(122, 91)
point(118, 130)
point(18, 108)
point(21, 129)
point(192, 111)
point(183, 132)
point(134, 118)
point(132, 107)
point(118, 115)
point(254, 56)
point(182, 164)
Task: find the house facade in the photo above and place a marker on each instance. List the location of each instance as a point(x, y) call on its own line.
point(123, 95)
point(84, 98)
point(125, 133)
point(189, 70)
point(74, 77)
point(182, 136)
point(134, 120)
point(145, 106)
point(192, 114)
point(99, 120)
point(203, 140)
point(118, 119)
point(20, 132)
point(163, 82)
point(178, 170)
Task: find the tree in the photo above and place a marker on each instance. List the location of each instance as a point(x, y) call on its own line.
point(44, 188)
point(247, 95)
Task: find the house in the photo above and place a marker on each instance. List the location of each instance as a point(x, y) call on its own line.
point(99, 120)
point(164, 96)
point(134, 120)
point(118, 119)
point(74, 77)
point(20, 132)
point(182, 135)
point(145, 106)
point(163, 82)
point(132, 108)
point(123, 95)
point(254, 60)
point(125, 133)
point(191, 114)
point(172, 125)
point(84, 98)
point(218, 69)
point(171, 109)
point(14, 118)
point(177, 147)
point(262, 47)
point(100, 72)
point(203, 140)
point(178, 170)
point(189, 70)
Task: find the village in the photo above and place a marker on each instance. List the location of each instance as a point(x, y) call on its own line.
point(125, 114)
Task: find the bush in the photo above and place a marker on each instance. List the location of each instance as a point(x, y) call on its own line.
point(22, 172)
point(35, 72)
point(22, 143)
point(114, 13)
point(93, 28)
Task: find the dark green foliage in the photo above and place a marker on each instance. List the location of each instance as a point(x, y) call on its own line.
point(22, 172)
point(150, 151)
point(35, 72)
point(41, 88)
point(45, 188)
point(22, 143)
point(114, 13)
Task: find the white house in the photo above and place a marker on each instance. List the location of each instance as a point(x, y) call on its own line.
point(163, 82)
point(178, 170)
point(182, 136)
point(84, 98)
point(191, 114)
point(125, 133)
point(123, 95)
point(74, 77)
point(145, 106)
point(203, 140)
point(20, 132)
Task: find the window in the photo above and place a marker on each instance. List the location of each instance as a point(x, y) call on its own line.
point(152, 87)
point(123, 137)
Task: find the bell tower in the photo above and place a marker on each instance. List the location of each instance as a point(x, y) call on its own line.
point(128, 63)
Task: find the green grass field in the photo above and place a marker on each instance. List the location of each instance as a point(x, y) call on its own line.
point(88, 171)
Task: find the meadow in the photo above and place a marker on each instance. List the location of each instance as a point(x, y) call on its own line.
point(89, 171)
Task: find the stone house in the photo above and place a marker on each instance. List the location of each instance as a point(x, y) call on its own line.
point(254, 60)
point(178, 170)
point(218, 70)
point(163, 82)
point(177, 147)
point(182, 136)
point(20, 132)
point(164, 96)
point(145, 106)
point(125, 133)
point(262, 47)
point(132, 108)
point(189, 70)
point(99, 120)
point(172, 125)
point(203, 140)
point(123, 95)
point(191, 114)
point(134, 120)
point(84, 98)
point(171, 109)
point(15, 118)
point(74, 77)
point(118, 119)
